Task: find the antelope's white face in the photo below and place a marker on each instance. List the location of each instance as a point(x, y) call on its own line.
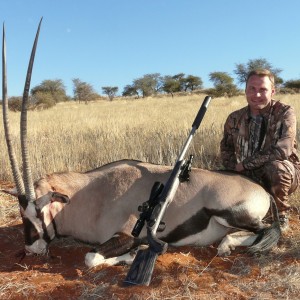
point(38, 220)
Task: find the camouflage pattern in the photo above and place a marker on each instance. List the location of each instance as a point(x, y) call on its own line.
point(267, 147)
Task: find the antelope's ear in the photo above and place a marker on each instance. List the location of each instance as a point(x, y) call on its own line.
point(12, 191)
point(58, 197)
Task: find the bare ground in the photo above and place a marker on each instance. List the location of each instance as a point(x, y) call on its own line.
point(181, 273)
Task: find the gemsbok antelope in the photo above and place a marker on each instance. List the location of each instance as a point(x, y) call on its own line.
point(100, 206)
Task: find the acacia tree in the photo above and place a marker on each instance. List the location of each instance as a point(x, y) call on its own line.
point(110, 91)
point(130, 90)
point(179, 83)
point(293, 85)
point(180, 77)
point(83, 91)
point(50, 92)
point(223, 84)
point(149, 84)
point(171, 85)
point(242, 70)
point(191, 83)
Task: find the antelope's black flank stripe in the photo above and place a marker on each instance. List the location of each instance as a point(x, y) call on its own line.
point(193, 225)
point(235, 216)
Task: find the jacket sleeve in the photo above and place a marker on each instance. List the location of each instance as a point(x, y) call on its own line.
point(282, 143)
point(228, 156)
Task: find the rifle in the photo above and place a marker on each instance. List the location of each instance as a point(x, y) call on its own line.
point(153, 210)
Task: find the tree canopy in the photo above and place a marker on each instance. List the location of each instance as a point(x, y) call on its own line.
point(223, 84)
point(242, 70)
point(83, 91)
point(54, 91)
point(110, 91)
point(48, 93)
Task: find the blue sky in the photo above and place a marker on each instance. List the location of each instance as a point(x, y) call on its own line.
point(113, 42)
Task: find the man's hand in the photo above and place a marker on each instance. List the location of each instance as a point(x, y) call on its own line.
point(239, 167)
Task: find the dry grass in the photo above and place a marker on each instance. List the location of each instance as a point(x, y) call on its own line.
point(22, 289)
point(81, 137)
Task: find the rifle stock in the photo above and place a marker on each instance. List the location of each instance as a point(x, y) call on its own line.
point(140, 272)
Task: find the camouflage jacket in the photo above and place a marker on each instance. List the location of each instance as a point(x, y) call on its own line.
point(276, 139)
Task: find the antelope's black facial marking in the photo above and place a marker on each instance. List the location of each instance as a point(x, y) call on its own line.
point(30, 232)
point(33, 220)
point(23, 201)
point(35, 231)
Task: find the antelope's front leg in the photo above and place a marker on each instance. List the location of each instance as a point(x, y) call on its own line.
point(114, 251)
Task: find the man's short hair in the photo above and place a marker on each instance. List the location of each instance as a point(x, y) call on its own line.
point(261, 73)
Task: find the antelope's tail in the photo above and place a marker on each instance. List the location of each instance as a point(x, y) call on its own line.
point(268, 237)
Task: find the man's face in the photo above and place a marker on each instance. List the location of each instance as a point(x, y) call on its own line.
point(259, 93)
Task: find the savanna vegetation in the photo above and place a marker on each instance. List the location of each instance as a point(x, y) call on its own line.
point(76, 137)
point(50, 92)
point(79, 137)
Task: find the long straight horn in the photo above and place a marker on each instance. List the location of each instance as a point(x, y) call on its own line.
point(11, 153)
point(27, 174)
